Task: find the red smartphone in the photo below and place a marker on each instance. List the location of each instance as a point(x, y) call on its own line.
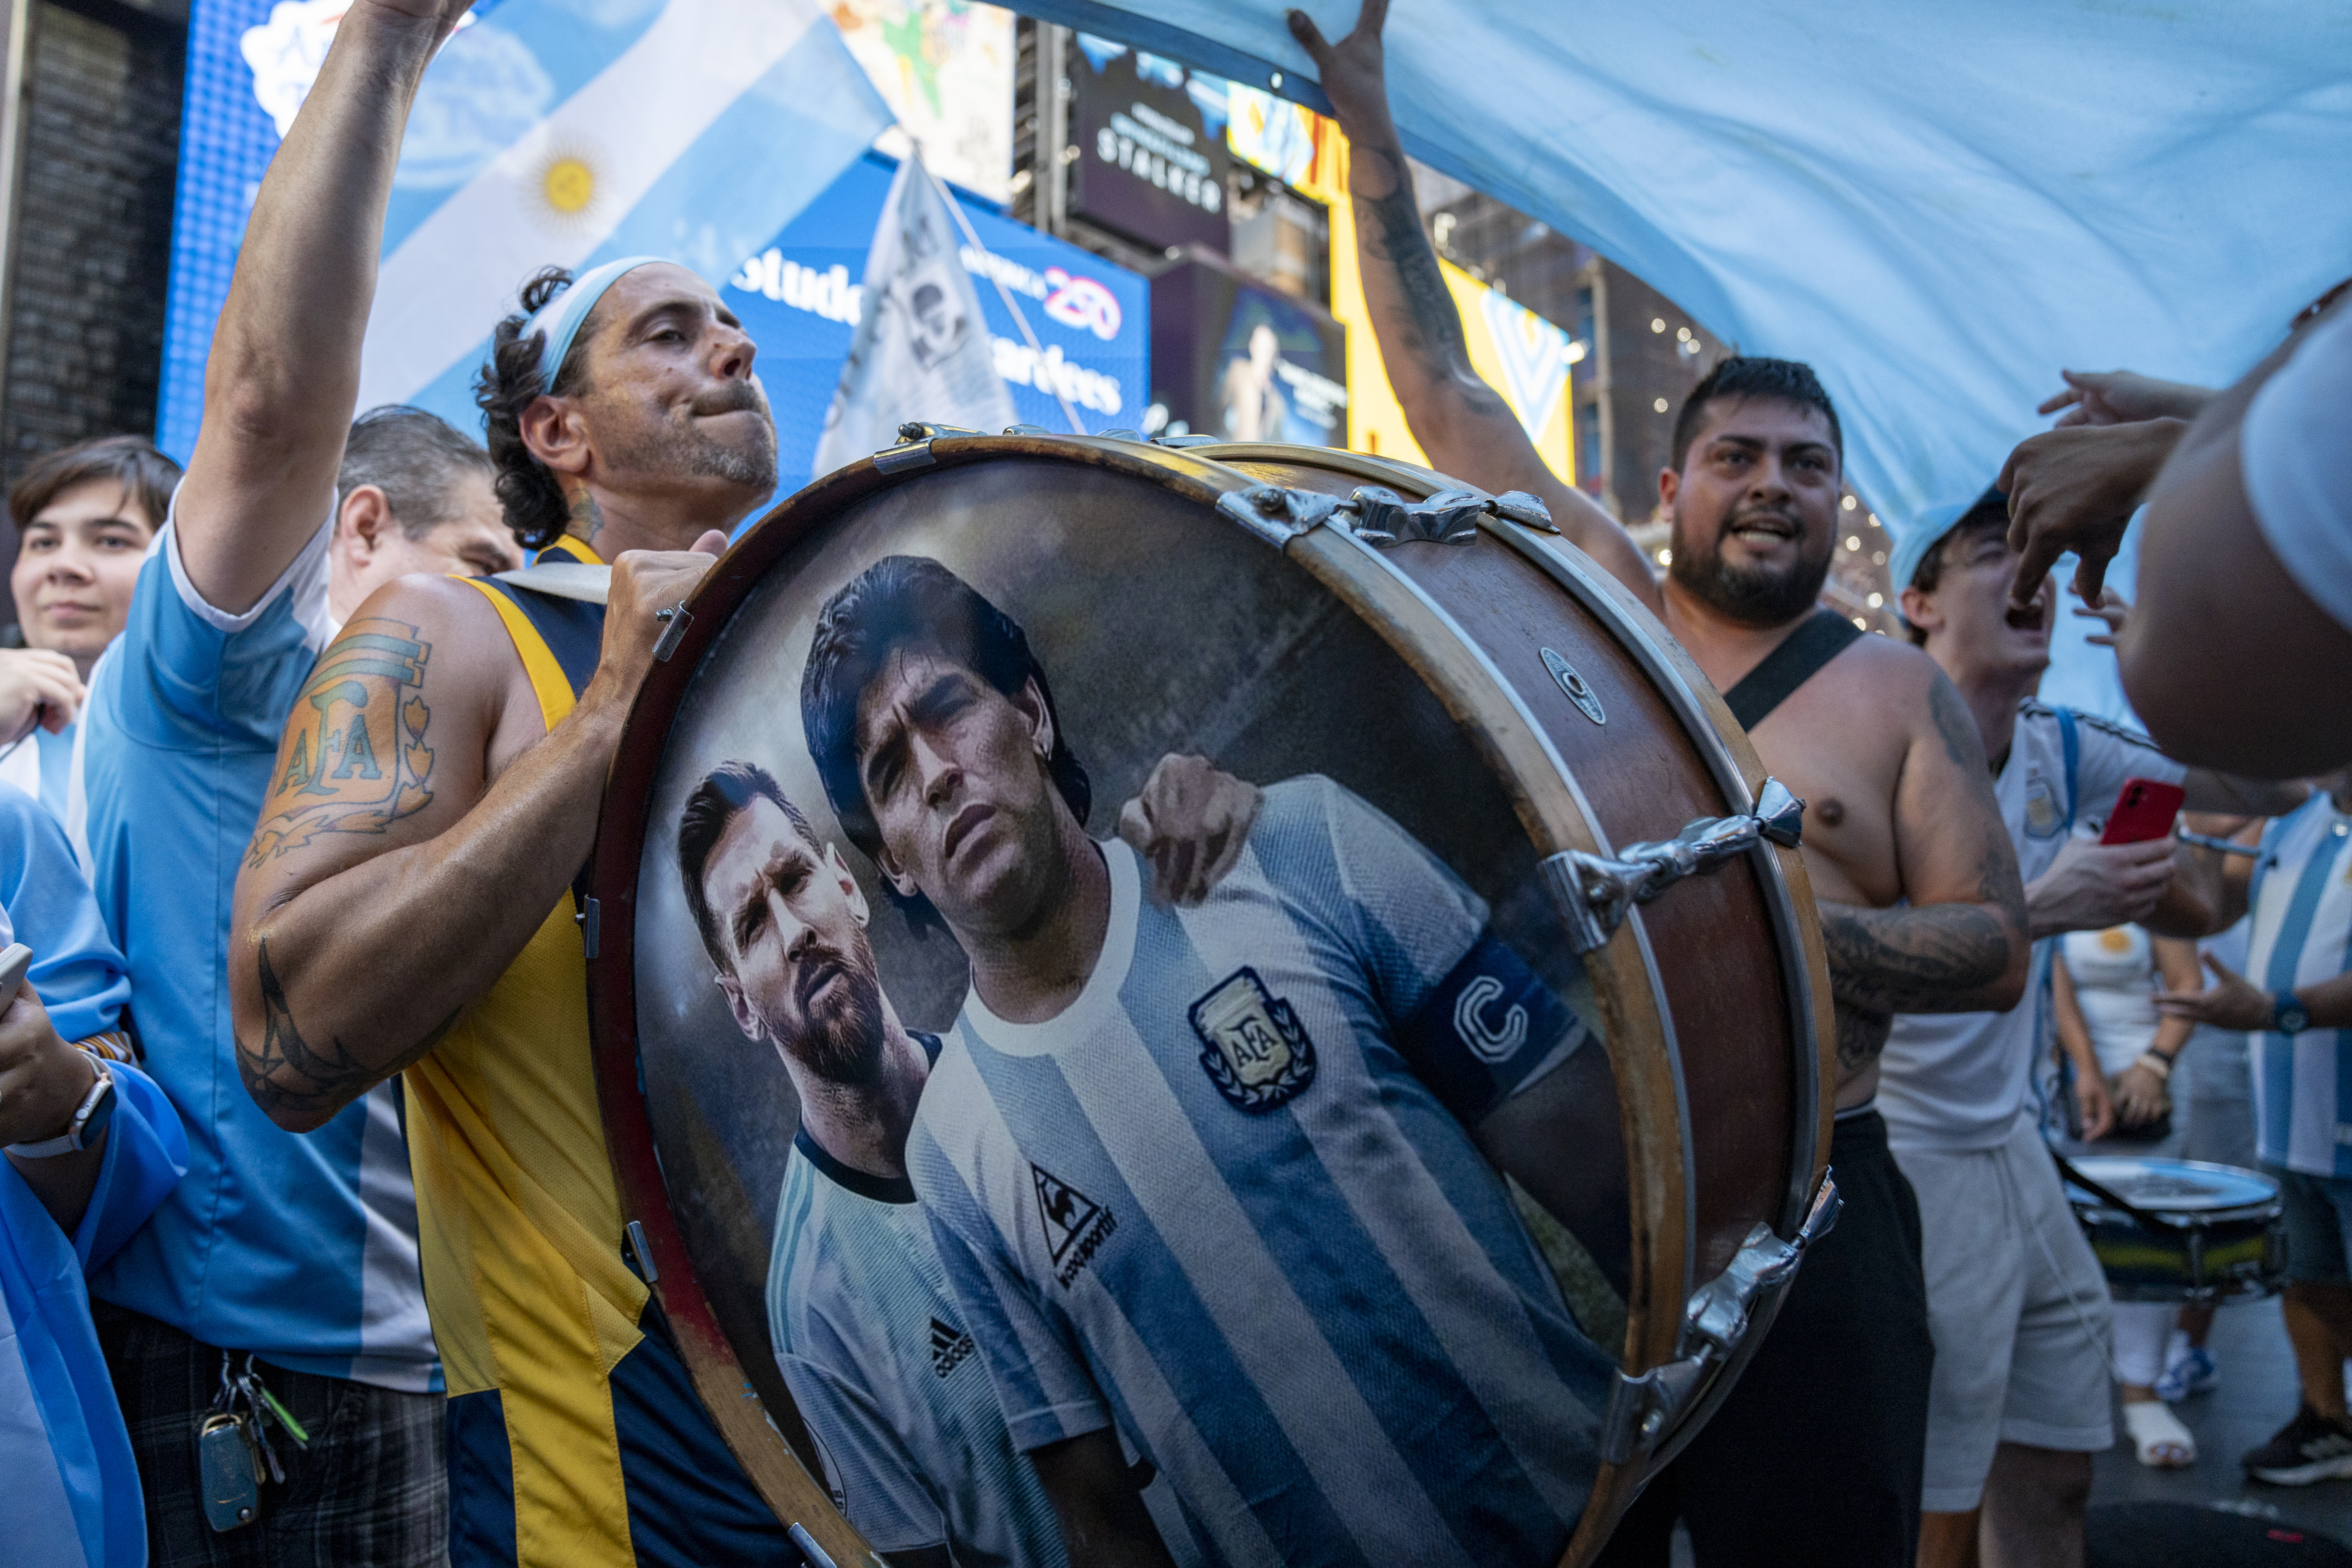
point(2144, 809)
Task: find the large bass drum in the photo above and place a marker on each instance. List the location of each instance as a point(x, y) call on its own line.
point(1410, 1194)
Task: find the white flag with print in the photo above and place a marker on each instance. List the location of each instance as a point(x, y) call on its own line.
point(922, 350)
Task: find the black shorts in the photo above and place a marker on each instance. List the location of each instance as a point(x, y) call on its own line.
point(1816, 1456)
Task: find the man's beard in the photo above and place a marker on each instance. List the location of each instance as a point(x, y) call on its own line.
point(686, 451)
point(840, 1036)
point(1752, 596)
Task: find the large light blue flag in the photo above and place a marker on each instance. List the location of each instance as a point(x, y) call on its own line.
point(1935, 207)
point(571, 131)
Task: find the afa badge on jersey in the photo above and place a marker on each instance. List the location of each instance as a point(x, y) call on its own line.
point(1254, 1048)
point(2044, 818)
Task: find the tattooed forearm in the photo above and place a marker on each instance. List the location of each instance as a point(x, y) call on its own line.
point(1390, 231)
point(284, 1074)
point(1933, 958)
point(353, 758)
point(289, 1078)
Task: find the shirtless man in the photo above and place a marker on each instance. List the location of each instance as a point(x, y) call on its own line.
point(1821, 1442)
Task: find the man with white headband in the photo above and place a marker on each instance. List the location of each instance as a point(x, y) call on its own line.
point(405, 906)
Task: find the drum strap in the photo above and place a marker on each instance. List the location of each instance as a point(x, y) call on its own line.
point(1798, 659)
point(2107, 1196)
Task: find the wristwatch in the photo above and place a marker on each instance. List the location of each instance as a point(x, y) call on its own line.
point(90, 1119)
point(2289, 1016)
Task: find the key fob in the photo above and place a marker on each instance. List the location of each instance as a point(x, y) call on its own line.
point(225, 1463)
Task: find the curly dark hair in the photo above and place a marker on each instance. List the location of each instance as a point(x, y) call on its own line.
point(1745, 376)
point(534, 501)
point(910, 602)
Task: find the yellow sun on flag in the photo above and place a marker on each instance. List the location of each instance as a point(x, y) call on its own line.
point(566, 189)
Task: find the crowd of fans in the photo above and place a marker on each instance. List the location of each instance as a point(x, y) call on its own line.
point(305, 1164)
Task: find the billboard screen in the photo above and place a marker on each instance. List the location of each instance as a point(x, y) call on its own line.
point(945, 69)
point(1234, 359)
point(1150, 139)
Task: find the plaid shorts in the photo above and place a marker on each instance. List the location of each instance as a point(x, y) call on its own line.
point(371, 1491)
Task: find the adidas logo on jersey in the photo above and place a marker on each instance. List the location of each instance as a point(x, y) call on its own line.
point(950, 1347)
point(1075, 1225)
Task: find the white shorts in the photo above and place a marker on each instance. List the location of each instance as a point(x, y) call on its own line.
point(2017, 1307)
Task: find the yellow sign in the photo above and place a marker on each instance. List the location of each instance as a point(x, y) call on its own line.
point(1518, 353)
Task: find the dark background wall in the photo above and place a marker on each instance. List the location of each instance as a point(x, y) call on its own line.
point(92, 229)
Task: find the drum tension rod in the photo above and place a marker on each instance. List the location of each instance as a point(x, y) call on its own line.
point(1644, 1411)
point(1595, 893)
point(1378, 514)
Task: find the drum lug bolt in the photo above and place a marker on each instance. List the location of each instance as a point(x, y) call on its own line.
point(1595, 893)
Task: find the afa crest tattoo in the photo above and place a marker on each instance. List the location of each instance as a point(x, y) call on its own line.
point(1255, 1049)
point(354, 759)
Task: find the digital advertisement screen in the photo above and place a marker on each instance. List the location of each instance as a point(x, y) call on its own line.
point(1150, 138)
point(1234, 359)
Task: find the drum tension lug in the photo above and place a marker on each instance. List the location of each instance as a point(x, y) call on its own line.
point(1595, 893)
point(1643, 1411)
point(1373, 513)
point(914, 448)
point(1184, 441)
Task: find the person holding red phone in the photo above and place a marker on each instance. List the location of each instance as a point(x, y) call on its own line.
point(2016, 1302)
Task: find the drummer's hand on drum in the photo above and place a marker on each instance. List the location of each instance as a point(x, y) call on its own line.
point(647, 586)
point(2232, 1001)
point(2140, 1097)
point(2090, 887)
point(1190, 822)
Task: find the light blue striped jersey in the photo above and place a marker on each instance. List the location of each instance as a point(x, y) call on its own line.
point(2301, 934)
point(299, 1247)
point(1221, 1202)
point(875, 1352)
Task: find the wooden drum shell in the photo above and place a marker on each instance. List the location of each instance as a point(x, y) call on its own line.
point(1715, 997)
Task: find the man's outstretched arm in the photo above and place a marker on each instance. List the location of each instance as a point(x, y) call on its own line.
point(1465, 427)
point(285, 367)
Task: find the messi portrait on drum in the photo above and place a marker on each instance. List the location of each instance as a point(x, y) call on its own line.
point(1102, 1122)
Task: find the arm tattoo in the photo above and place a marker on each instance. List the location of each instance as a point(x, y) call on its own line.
point(286, 1072)
point(1391, 227)
point(1921, 958)
point(354, 759)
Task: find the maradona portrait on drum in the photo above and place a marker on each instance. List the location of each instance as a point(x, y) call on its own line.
point(911, 1438)
point(1200, 1179)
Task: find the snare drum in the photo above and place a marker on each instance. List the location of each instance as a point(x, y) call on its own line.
point(2222, 1239)
point(1499, 731)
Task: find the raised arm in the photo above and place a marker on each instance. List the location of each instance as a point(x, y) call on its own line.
point(1959, 942)
point(1465, 428)
point(2223, 657)
point(285, 367)
point(368, 912)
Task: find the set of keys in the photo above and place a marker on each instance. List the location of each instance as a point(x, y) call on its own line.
point(234, 1452)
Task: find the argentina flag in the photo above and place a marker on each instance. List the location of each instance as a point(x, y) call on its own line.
point(571, 131)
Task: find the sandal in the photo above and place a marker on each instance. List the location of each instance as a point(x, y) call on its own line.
point(2158, 1439)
